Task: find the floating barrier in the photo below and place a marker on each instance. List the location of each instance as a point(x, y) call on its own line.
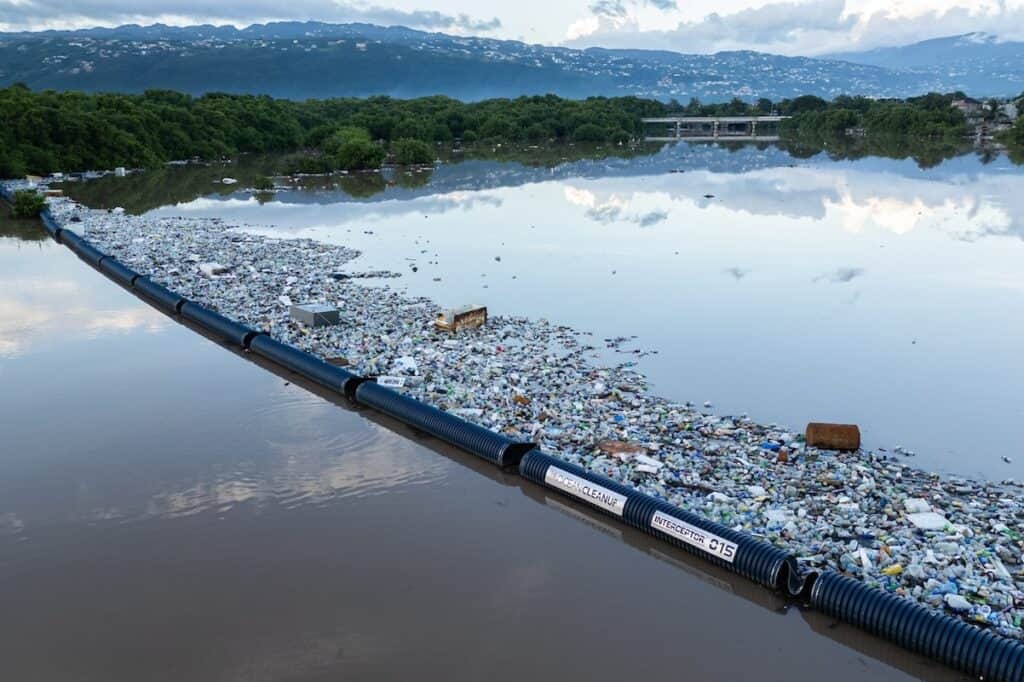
point(482, 442)
point(223, 328)
point(82, 248)
point(915, 627)
point(158, 295)
point(117, 271)
point(736, 551)
point(51, 225)
point(902, 621)
point(306, 364)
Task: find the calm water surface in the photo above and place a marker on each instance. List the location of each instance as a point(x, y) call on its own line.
point(170, 510)
point(794, 290)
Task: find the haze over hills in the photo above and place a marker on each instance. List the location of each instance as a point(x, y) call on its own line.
point(313, 60)
point(978, 63)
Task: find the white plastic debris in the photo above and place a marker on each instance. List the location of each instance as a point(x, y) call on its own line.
point(406, 363)
point(468, 412)
point(649, 462)
point(957, 603)
point(213, 269)
point(915, 505)
point(928, 520)
point(779, 516)
point(865, 560)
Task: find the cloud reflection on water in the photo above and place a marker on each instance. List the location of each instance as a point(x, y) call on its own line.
point(35, 312)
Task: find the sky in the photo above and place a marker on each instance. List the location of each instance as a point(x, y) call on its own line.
point(793, 27)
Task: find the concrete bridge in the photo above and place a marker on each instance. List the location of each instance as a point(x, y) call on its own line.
point(712, 128)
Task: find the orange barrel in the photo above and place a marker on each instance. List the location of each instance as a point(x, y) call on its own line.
point(833, 436)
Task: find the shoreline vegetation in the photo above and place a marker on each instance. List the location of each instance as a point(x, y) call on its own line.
point(49, 131)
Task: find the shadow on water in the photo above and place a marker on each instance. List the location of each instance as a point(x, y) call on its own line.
point(496, 167)
point(20, 229)
point(170, 185)
point(925, 153)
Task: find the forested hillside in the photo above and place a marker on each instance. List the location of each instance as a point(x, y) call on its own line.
point(53, 131)
point(49, 131)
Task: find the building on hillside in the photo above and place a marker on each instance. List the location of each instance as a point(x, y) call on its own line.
point(969, 107)
point(1010, 110)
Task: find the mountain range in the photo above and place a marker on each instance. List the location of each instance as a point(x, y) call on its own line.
point(978, 63)
point(303, 60)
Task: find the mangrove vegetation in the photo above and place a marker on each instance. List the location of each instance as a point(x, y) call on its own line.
point(69, 131)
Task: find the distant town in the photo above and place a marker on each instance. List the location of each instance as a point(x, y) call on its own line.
point(989, 119)
point(289, 59)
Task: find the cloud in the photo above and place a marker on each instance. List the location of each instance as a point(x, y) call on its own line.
point(579, 197)
point(770, 24)
point(737, 273)
point(652, 218)
point(27, 320)
point(615, 209)
point(39, 14)
point(805, 27)
point(582, 27)
point(774, 22)
point(609, 8)
point(621, 8)
point(605, 213)
point(884, 28)
point(840, 276)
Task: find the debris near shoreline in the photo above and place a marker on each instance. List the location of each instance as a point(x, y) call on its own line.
point(948, 542)
point(466, 317)
point(371, 274)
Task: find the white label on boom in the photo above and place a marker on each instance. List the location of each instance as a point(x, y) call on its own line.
point(582, 488)
point(691, 535)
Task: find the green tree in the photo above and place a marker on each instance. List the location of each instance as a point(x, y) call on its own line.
point(27, 204)
point(11, 165)
point(409, 152)
point(413, 128)
point(497, 126)
point(343, 135)
point(359, 154)
point(351, 148)
point(803, 104)
point(590, 132)
point(537, 132)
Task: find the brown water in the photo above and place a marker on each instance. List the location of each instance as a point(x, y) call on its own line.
point(171, 510)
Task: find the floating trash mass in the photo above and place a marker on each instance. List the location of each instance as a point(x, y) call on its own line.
point(950, 543)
